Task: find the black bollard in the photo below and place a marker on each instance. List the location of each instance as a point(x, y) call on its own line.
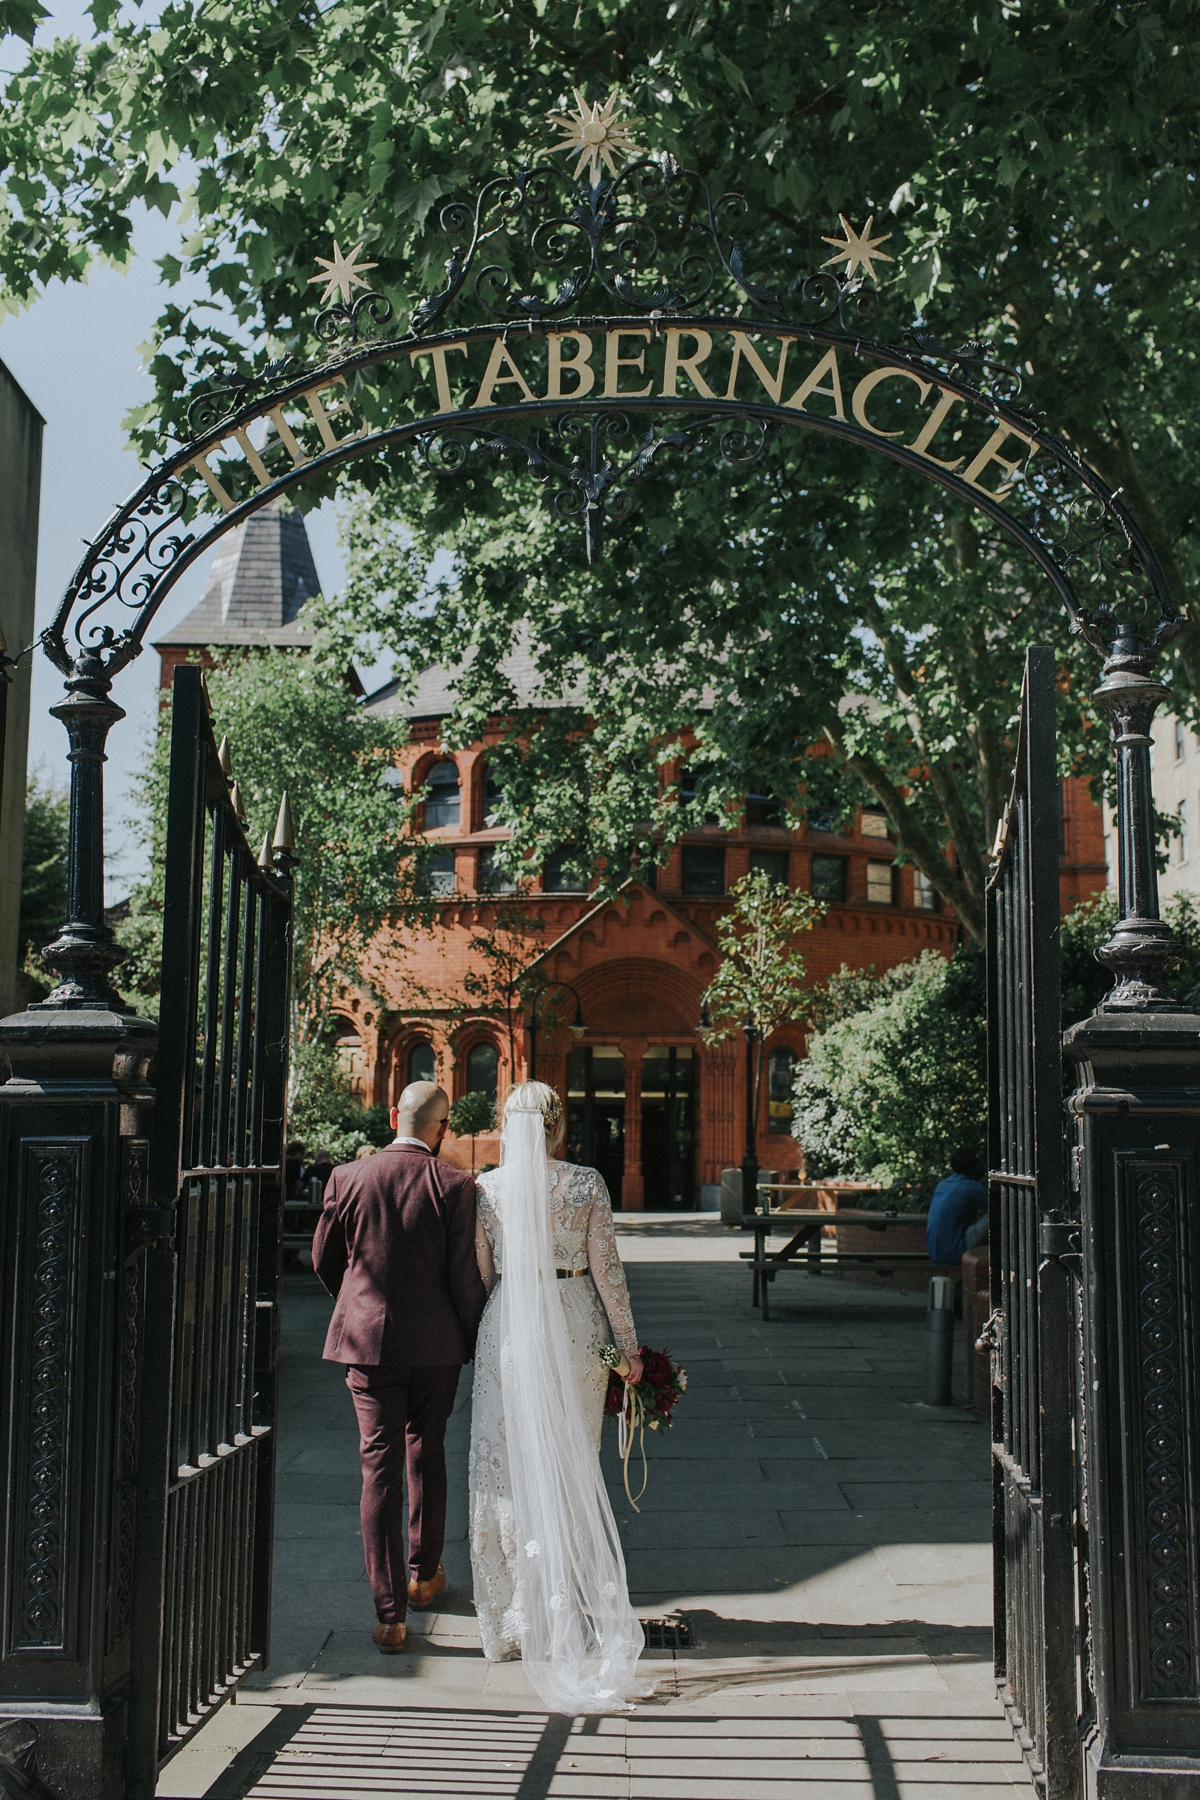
point(939, 1341)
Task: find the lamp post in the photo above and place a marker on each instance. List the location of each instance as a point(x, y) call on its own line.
point(750, 1156)
point(577, 1025)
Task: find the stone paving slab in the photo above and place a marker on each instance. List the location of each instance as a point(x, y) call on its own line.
point(826, 1536)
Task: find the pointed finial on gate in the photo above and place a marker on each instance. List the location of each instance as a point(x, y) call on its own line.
point(264, 855)
point(225, 760)
point(284, 838)
point(235, 800)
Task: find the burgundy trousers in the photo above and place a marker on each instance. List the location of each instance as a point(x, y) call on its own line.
point(402, 1417)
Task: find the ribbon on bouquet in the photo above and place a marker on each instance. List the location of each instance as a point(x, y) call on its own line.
point(631, 1420)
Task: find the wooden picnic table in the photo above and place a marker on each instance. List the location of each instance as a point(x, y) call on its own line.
point(807, 1224)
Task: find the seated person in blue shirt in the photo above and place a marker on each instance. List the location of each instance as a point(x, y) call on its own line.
point(954, 1224)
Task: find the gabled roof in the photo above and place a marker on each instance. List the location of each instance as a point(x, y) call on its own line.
point(586, 919)
point(263, 574)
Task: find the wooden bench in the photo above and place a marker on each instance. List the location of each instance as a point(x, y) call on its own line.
point(807, 1226)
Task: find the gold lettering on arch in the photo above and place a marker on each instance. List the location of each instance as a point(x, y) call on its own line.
point(930, 429)
point(867, 386)
point(494, 376)
point(439, 353)
point(580, 363)
point(614, 362)
point(991, 453)
point(673, 363)
point(773, 384)
point(811, 384)
point(263, 477)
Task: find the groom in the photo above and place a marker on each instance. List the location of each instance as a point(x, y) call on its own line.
point(395, 1246)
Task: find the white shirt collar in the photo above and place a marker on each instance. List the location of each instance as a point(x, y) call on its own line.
point(417, 1143)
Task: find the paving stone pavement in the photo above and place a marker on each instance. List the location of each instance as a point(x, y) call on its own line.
point(826, 1536)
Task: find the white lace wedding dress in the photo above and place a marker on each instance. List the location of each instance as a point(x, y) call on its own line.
point(596, 1312)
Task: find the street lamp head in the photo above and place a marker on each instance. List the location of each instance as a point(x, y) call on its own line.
point(577, 1025)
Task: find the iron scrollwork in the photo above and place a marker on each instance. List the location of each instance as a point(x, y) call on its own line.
point(592, 485)
point(1166, 1569)
point(56, 1173)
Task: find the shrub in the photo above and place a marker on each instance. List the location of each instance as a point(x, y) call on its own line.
point(889, 1088)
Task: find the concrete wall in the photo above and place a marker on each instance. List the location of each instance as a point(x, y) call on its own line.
point(1176, 765)
point(20, 484)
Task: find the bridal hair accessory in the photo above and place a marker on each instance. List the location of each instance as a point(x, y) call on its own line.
point(641, 1406)
point(534, 1097)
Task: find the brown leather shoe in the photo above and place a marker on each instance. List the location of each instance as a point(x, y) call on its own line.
point(390, 1638)
point(422, 1593)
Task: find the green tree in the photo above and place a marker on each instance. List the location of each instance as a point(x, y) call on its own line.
point(888, 1090)
point(760, 981)
point(497, 987)
point(1035, 172)
point(43, 873)
point(469, 1115)
point(293, 727)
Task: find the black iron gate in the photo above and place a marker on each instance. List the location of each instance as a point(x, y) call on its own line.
point(201, 1592)
point(1032, 1329)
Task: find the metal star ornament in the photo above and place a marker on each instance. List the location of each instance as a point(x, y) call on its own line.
point(858, 249)
point(596, 132)
point(341, 272)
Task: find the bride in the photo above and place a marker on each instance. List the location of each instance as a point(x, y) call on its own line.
point(548, 1571)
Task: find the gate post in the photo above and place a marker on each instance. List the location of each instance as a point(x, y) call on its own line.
point(1135, 1118)
point(74, 1131)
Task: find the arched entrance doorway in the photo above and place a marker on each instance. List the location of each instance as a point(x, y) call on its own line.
point(664, 1094)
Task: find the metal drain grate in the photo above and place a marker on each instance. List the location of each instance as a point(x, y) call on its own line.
point(667, 1634)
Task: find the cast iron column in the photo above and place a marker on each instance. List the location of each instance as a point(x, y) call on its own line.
point(74, 1129)
point(1136, 1137)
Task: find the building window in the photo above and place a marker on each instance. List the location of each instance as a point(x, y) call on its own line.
point(494, 878)
point(562, 874)
point(781, 1075)
point(703, 869)
point(483, 1068)
point(492, 794)
point(829, 877)
point(924, 892)
point(422, 1064)
point(443, 796)
point(879, 883)
point(875, 823)
point(773, 863)
point(764, 809)
point(1180, 741)
point(351, 1060)
point(1183, 831)
point(823, 818)
point(687, 793)
point(440, 872)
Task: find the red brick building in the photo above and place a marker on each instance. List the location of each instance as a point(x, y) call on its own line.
point(657, 1110)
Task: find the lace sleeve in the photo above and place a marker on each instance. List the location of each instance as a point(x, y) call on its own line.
point(484, 1234)
point(604, 1260)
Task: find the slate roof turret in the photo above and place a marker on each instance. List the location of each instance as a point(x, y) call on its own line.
point(263, 574)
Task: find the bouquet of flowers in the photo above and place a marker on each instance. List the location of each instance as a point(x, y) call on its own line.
point(646, 1404)
point(663, 1381)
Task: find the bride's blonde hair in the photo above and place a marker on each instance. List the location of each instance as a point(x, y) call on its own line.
point(536, 1097)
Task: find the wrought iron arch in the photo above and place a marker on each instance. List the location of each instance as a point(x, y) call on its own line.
point(614, 237)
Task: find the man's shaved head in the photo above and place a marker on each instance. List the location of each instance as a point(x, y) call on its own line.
point(420, 1109)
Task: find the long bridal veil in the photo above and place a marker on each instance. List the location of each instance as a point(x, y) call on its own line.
point(580, 1638)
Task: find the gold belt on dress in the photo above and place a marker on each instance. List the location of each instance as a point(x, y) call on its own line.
point(568, 1274)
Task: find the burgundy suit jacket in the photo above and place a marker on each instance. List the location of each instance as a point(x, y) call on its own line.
point(395, 1246)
